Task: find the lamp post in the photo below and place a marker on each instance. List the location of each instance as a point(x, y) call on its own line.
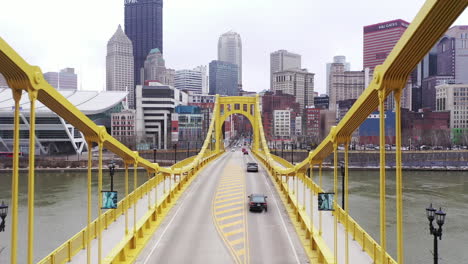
point(439, 216)
point(342, 185)
point(292, 153)
point(3, 215)
point(111, 172)
point(175, 153)
point(154, 154)
point(282, 149)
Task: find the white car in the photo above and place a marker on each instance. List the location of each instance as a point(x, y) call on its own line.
point(233, 150)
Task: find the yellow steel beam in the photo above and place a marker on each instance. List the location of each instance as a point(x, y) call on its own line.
point(383, 233)
point(31, 184)
point(15, 179)
point(88, 226)
point(399, 180)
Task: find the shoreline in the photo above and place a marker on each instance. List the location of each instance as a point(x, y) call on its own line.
point(327, 168)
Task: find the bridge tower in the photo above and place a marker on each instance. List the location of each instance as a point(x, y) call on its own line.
point(246, 106)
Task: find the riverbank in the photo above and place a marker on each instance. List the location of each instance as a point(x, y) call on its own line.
point(358, 160)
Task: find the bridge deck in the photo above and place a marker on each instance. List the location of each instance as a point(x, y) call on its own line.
point(356, 254)
point(195, 222)
point(116, 231)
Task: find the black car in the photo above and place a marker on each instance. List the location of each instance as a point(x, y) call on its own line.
point(252, 167)
point(257, 202)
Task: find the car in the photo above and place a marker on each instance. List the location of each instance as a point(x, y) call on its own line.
point(233, 150)
point(246, 152)
point(252, 167)
point(258, 202)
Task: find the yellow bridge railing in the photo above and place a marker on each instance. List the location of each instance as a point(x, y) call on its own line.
point(433, 20)
point(23, 79)
point(390, 78)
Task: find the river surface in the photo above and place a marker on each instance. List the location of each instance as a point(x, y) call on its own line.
point(61, 210)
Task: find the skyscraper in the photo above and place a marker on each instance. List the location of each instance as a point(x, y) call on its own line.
point(66, 79)
point(283, 60)
point(336, 59)
point(299, 83)
point(223, 78)
point(188, 80)
point(119, 65)
point(379, 40)
point(155, 69)
point(230, 50)
point(143, 25)
point(205, 80)
point(344, 84)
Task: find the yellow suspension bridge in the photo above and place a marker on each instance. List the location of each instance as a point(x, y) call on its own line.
point(135, 231)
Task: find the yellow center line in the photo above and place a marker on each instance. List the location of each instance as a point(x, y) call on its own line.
point(229, 195)
point(228, 191)
point(231, 184)
point(228, 199)
point(229, 210)
point(231, 224)
point(228, 217)
point(230, 181)
point(222, 189)
point(237, 241)
point(237, 231)
point(227, 205)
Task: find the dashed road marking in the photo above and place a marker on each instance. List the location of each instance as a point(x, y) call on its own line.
point(229, 212)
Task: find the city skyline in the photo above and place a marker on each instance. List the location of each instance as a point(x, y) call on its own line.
point(258, 30)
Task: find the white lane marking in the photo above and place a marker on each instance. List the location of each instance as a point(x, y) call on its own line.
point(282, 220)
point(170, 222)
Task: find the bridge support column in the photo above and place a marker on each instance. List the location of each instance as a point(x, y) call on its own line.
point(88, 227)
point(399, 178)
point(32, 136)
point(346, 202)
point(126, 200)
point(311, 205)
point(256, 125)
point(218, 125)
point(320, 188)
point(99, 221)
point(383, 240)
point(335, 204)
point(15, 178)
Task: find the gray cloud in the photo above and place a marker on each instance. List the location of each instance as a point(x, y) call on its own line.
point(56, 33)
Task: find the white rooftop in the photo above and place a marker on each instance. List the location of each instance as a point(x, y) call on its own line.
point(88, 102)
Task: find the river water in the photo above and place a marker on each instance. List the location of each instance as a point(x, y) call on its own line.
point(61, 210)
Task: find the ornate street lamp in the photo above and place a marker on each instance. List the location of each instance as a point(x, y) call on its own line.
point(3, 215)
point(439, 216)
point(111, 167)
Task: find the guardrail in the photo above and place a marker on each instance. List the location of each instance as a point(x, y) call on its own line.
point(23, 78)
point(390, 78)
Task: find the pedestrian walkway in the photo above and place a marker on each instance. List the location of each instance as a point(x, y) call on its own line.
point(356, 254)
point(116, 231)
point(302, 193)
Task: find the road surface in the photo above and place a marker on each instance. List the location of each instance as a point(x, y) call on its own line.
point(211, 222)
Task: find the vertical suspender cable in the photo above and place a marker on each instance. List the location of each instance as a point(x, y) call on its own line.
point(31, 185)
point(399, 179)
point(14, 182)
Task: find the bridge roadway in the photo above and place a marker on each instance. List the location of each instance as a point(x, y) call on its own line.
point(211, 222)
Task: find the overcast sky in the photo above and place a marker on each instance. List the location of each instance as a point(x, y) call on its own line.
point(55, 34)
